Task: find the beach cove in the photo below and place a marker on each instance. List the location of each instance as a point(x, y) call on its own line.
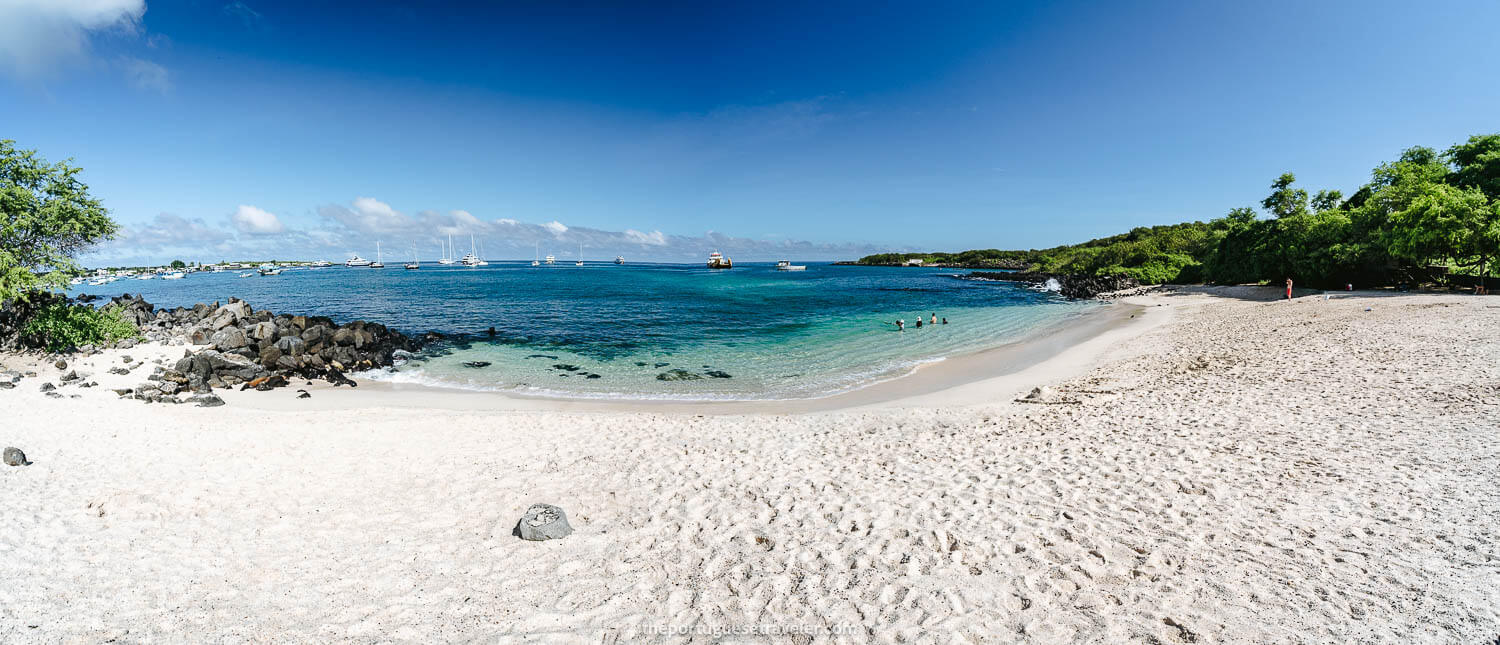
point(1224, 467)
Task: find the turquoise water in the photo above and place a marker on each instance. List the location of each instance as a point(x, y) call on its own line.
point(611, 331)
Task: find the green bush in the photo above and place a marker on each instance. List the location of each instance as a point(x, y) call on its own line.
point(59, 326)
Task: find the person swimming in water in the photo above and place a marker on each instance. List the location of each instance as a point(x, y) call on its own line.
point(919, 322)
point(900, 325)
point(945, 321)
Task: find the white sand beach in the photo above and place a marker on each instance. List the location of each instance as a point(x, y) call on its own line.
point(1220, 468)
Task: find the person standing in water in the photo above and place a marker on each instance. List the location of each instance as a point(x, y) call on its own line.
point(919, 322)
point(900, 324)
point(1288, 288)
point(934, 317)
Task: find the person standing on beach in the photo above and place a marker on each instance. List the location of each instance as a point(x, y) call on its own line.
point(1288, 288)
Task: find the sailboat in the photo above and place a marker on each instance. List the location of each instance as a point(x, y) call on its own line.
point(535, 249)
point(470, 259)
point(482, 262)
point(580, 255)
point(414, 264)
point(447, 252)
point(377, 264)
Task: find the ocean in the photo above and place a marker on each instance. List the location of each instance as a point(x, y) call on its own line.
point(648, 331)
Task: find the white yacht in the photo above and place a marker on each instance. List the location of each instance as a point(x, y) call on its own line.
point(786, 265)
point(269, 269)
point(377, 264)
point(619, 259)
point(175, 275)
point(551, 260)
point(319, 264)
point(356, 261)
point(471, 259)
point(447, 252)
point(716, 260)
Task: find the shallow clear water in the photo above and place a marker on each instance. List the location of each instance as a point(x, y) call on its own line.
point(751, 332)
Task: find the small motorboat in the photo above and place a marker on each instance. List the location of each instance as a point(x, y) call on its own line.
point(786, 265)
point(177, 275)
point(269, 270)
point(246, 274)
point(716, 260)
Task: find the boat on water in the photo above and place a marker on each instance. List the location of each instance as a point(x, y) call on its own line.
point(619, 259)
point(414, 264)
point(716, 260)
point(356, 261)
point(535, 248)
point(145, 276)
point(246, 274)
point(551, 260)
point(176, 275)
point(579, 263)
point(322, 263)
point(377, 264)
point(447, 252)
point(786, 265)
point(471, 259)
point(269, 269)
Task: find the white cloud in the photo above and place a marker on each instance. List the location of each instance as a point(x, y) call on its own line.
point(556, 227)
point(252, 220)
point(145, 75)
point(654, 238)
point(37, 36)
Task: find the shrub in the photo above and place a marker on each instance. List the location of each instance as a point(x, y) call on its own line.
point(60, 326)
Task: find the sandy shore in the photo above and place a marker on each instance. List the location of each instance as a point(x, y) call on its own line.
point(1219, 469)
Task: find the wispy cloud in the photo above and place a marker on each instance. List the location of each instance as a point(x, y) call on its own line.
point(254, 221)
point(242, 12)
point(146, 75)
point(39, 36)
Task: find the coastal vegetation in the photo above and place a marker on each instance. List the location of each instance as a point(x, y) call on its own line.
point(1426, 217)
point(47, 216)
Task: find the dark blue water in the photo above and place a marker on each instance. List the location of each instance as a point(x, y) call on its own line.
point(608, 330)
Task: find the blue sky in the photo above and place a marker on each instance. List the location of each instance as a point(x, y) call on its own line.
point(250, 128)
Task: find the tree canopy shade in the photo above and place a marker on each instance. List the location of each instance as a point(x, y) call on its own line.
point(46, 217)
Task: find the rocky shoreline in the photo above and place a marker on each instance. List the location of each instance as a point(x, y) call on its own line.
point(1072, 286)
point(234, 345)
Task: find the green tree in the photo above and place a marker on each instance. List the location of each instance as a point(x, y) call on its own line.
point(178, 264)
point(1477, 164)
point(46, 217)
point(1326, 200)
point(1285, 201)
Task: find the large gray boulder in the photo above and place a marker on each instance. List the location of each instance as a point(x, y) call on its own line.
point(14, 457)
point(263, 331)
point(543, 522)
point(228, 338)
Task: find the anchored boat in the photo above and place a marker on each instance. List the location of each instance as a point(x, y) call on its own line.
point(716, 260)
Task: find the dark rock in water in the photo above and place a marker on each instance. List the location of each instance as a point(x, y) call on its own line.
point(48, 387)
point(717, 374)
point(660, 365)
point(593, 375)
point(14, 457)
point(1071, 286)
point(546, 356)
point(543, 522)
point(206, 400)
point(302, 394)
point(477, 364)
point(678, 375)
point(566, 367)
point(640, 363)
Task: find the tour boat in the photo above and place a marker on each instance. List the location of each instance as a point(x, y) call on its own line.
point(356, 261)
point(717, 260)
point(619, 259)
point(786, 265)
point(471, 259)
